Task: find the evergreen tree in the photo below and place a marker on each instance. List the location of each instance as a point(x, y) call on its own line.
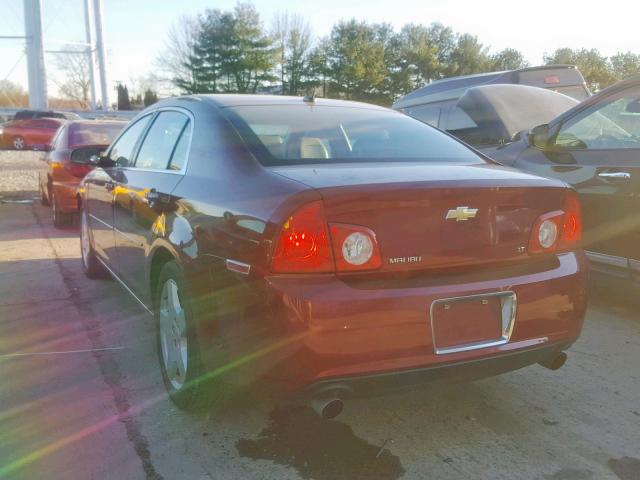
point(150, 97)
point(123, 97)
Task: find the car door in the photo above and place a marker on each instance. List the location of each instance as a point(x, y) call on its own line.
point(598, 152)
point(101, 185)
point(42, 131)
point(143, 193)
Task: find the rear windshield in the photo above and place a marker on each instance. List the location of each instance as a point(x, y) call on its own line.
point(578, 92)
point(93, 134)
point(291, 134)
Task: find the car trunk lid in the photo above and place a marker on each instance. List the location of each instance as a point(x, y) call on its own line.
point(435, 216)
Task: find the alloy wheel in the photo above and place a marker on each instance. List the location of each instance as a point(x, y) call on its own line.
point(18, 143)
point(54, 207)
point(173, 335)
point(84, 238)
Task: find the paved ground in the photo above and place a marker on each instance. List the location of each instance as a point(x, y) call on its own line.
point(81, 397)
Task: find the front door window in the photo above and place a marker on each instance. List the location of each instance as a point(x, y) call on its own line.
point(612, 125)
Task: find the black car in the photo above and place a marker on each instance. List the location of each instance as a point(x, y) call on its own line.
point(29, 114)
point(595, 147)
point(435, 103)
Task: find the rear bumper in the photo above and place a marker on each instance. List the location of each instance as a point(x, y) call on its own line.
point(66, 195)
point(311, 332)
point(474, 369)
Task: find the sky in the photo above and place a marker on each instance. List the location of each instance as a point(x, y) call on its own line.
point(135, 29)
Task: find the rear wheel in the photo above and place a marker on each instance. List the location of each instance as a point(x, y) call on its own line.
point(19, 143)
point(43, 198)
point(178, 351)
point(60, 219)
point(90, 264)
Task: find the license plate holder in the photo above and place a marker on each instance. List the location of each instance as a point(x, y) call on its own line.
point(471, 322)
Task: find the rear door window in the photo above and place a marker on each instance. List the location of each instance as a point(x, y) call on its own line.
point(179, 156)
point(161, 141)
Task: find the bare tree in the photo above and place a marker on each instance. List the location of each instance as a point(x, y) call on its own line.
point(12, 95)
point(178, 47)
point(292, 35)
point(73, 63)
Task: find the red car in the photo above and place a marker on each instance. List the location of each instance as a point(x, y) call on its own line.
point(68, 162)
point(31, 134)
point(332, 248)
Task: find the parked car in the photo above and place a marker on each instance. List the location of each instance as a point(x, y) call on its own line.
point(68, 162)
point(435, 103)
point(29, 114)
point(34, 134)
point(595, 147)
point(331, 247)
point(497, 114)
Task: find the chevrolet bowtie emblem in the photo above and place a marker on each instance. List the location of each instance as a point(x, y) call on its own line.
point(461, 214)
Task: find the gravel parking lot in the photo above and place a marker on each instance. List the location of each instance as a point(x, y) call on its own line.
point(19, 174)
point(81, 396)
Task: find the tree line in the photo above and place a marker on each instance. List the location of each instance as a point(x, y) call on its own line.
point(232, 51)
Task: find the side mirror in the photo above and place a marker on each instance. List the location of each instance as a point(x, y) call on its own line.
point(86, 155)
point(96, 160)
point(539, 136)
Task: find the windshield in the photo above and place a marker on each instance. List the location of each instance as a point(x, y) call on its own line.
point(93, 134)
point(288, 134)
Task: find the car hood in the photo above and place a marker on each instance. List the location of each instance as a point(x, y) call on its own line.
point(501, 111)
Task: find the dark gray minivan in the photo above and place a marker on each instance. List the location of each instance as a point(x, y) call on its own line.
point(435, 103)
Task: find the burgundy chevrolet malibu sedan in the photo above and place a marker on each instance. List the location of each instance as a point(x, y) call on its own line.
point(330, 247)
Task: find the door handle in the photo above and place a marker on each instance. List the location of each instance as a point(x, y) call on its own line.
point(110, 186)
point(615, 175)
point(152, 196)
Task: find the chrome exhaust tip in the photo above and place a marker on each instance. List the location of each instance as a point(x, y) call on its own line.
point(556, 362)
point(327, 406)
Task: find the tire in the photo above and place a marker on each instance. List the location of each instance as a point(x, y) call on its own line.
point(60, 219)
point(18, 143)
point(91, 267)
point(177, 346)
point(43, 198)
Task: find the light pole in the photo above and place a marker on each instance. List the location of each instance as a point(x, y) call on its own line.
point(101, 53)
point(91, 58)
point(35, 55)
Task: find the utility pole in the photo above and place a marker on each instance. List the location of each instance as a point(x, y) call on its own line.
point(91, 58)
point(101, 52)
point(35, 55)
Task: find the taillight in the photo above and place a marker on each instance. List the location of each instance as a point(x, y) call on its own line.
point(572, 223)
point(354, 248)
point(303, 244)
point(560, 230)
point(77, 169)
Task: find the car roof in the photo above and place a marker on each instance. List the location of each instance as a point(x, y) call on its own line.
point(454, 87)
point(237, 100)
point(61, 121)
point(97, 122)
